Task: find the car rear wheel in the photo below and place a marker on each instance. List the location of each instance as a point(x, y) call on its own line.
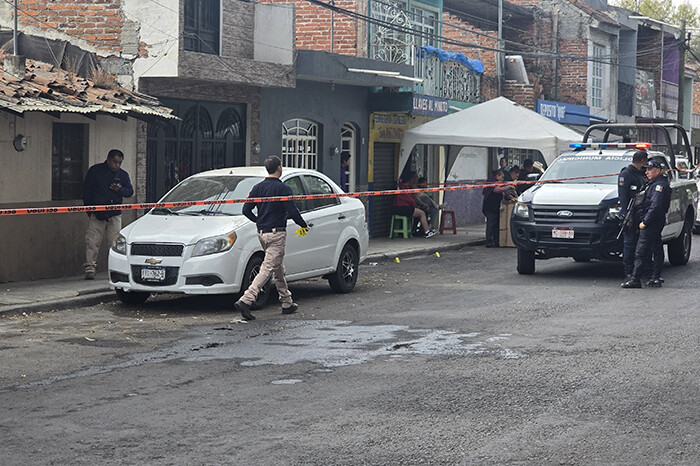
point(526, 262)
point(344, 278)
point(679, 248)
point(132, 298)
point(251, 271)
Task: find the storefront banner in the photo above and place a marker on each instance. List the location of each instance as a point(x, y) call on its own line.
point(564, 113)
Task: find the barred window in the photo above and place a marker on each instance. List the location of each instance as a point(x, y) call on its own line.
point(202, 26)
point(299, 143)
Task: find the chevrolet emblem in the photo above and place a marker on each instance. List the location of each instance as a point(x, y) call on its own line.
point(153, 261)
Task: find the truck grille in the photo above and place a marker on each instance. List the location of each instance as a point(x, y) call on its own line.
point(549, 215)
point(163, 250)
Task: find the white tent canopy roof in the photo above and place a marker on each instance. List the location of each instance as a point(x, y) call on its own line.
point(496, 123)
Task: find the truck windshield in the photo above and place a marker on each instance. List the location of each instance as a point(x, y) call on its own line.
point(566, 167)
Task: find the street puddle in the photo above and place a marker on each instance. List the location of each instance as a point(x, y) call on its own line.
point(326, 343)
point(339, 343)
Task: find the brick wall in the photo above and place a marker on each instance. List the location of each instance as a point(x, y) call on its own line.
point(524, 94)
point(573, 74)
point(99, 22)
point(313, 27)
point(696, 96)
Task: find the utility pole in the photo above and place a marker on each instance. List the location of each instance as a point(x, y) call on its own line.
point(681, 75)
point(499, 54)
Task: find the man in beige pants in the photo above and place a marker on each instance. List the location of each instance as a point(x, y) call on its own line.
point(105, 184)
point(271, 222)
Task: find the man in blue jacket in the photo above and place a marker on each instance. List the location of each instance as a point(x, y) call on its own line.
point(651, 215)
point(105, 184)
point(271, 223)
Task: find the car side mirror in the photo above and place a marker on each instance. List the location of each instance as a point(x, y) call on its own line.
point(534, 176)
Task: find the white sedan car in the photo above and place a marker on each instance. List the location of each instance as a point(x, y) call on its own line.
point(214, 249)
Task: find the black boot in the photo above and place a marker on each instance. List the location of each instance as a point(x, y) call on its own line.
point(654, 283)
point(632, 283)
point(244, 309)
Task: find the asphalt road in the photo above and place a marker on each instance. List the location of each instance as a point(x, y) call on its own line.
point(434, 360)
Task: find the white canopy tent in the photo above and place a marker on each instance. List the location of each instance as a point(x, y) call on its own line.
point(496, 123)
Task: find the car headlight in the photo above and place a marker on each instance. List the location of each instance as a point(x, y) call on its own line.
point(613, 213)
point(214, 245)
point(521, 210)
point(119, 245)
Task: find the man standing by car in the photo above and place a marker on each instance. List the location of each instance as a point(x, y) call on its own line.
point(630, 181)
point(271, 223)
point(105, 184)
point(651, 215)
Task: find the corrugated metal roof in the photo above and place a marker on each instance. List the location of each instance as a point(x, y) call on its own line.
point(45, 88)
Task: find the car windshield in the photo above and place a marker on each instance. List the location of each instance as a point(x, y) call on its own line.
point(209, 188)
point(566, 167)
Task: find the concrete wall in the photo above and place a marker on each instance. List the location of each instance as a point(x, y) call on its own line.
point(51, 245)
point(328, 107)
point(159, 33)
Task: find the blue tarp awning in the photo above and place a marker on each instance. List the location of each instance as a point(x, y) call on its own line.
point(443, 55)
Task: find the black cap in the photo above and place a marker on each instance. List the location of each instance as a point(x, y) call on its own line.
point(653, 163)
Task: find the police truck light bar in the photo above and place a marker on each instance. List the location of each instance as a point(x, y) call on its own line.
point(610, 145)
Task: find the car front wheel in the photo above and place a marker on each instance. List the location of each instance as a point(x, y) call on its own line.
point(132, 298)
point(251, 271)
point(344, 278)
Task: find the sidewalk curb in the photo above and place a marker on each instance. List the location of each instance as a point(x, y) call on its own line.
point(89, 298)
point(424, 250)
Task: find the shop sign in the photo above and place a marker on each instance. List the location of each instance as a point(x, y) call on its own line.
point(429, 105)
point(388, 127)
point(564, 113)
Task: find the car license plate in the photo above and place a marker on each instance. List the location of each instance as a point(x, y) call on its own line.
point(153, 275)
point(563, 233)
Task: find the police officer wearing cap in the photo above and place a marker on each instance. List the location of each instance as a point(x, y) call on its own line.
point(630, 181)
point(651, 215)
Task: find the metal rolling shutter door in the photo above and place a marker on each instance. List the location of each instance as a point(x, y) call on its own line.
point(384, 178)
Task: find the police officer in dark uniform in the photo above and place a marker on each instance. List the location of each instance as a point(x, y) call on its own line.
point(630, 181)
point(651, 215)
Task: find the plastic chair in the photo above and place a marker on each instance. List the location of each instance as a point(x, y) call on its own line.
point(452, 224)
point(403, 229)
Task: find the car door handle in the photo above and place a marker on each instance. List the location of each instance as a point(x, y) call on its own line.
point(341, 217)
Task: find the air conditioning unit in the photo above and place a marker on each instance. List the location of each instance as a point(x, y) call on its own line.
point(515, 69)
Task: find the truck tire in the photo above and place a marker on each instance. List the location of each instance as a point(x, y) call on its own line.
point(679, 248)
point(526, 262)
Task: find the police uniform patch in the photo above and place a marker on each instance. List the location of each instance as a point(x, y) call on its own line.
point(659, 187)
point(622, 180)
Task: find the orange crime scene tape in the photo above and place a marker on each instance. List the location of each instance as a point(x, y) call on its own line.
point(160, 205)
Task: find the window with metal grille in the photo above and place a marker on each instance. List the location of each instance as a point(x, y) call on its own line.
point(299, 143)
point(389, 40)
point(202, 26)
point(597, 77)
point(69, 142)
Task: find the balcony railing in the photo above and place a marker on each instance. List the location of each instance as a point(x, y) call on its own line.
point(446, 79)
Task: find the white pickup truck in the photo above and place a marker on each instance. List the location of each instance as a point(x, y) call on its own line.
point(561, 216)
